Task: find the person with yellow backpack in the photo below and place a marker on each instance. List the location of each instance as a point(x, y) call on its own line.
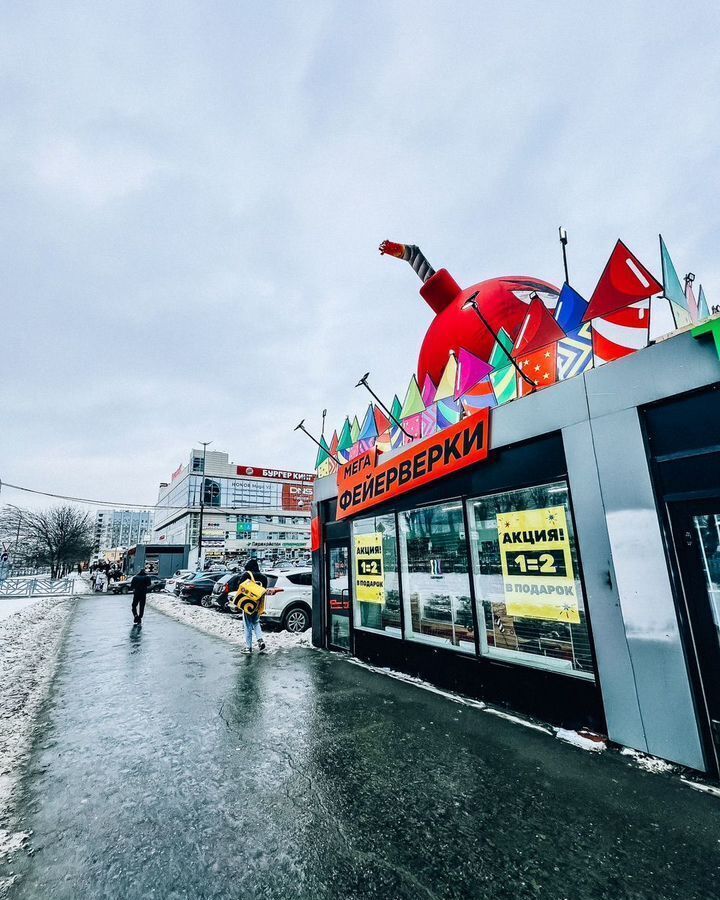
point(250, 598)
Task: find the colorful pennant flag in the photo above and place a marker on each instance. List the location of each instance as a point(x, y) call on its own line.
point(368, 429)
point(538, 330)
point(620, 333)
point(672, 289)
point(503, 378)
point(345, 442)
point(703, 310)
point(624, 281)
point(382, 420)
point(449, 412)
point(413, 403)
point(355, 429)
point(384, 441)
point(428, 391)
point(570, 309)
point(396, 435)
point(429, 420)
point(575, 352)
point(540, 366)
point(323, 453)
point(446, 386)
point(413, 427)
point(480, 396)
point(470, 370)
point(335, 440)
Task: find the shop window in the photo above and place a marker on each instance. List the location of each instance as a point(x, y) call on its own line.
point(531, 607)
point(436, 582)
point(375, 574)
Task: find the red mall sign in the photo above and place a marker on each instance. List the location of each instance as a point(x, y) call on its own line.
point(363, 483)
point(276, 474)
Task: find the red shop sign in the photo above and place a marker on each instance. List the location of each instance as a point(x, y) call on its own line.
point(363, 482)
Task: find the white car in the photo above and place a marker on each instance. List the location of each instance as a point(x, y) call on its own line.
point(288, 602)
point(180, 575)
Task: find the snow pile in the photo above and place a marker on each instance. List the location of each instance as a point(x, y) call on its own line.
point(584, 741)
point(647, 762)
point(29, 645)
point(226, 626)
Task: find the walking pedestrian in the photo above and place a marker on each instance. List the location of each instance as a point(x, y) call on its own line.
point(252, 621)
point(140, 586)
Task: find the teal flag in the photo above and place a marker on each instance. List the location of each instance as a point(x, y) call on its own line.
point(673, 290)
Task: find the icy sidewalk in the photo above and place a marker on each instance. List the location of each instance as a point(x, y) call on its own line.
point(30, 640)
point(223, 625)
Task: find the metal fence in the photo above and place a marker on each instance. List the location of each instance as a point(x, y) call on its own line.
point(42, 587)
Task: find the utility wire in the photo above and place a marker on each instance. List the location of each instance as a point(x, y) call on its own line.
point(110, 505)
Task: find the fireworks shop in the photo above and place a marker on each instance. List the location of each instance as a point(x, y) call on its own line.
point(558, 555)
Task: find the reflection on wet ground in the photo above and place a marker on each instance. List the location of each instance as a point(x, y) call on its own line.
point(174, 767)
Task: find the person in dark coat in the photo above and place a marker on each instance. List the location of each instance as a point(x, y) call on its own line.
point(140, 586)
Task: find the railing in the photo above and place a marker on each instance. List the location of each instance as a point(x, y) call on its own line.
point(42, 587)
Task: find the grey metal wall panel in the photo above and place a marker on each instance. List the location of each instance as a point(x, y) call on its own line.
point(612, 654)
point(541, 413)
point(673, 366)
point(643, 584)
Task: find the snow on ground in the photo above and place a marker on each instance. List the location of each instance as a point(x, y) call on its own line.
point(223, 625)
point(30, 641)
point(647, 762)
point(10, 605)
point(580, 740)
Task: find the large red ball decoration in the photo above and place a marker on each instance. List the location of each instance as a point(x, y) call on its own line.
point(502, 301)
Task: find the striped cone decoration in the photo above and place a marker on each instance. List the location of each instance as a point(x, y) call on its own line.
point(480, 396)
point(449, 412)
point(396, 435)
point(413, 426)
point(429, 420)
point(575, 352)
point(620, 333)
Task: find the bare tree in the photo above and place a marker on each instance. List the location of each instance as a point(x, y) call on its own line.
point(57, 537)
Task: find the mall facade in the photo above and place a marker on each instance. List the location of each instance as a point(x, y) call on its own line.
point(558, 555)
point(248, 511)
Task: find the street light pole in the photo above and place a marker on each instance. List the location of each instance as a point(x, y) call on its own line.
point(204, 445)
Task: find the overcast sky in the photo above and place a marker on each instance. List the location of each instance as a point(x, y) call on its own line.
point(193, 195)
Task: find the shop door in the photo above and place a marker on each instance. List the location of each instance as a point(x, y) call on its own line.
point(696, 533)
point(338, 596)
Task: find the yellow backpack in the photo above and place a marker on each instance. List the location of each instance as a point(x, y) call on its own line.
point(250, 597)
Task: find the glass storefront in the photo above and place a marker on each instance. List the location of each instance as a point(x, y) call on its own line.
point(375, 568)
point(339, 598)
point(412, 576)
point(531, 607)
point(436, 581)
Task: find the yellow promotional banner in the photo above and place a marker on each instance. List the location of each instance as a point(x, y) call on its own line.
point(369, 576)
point(537, 564)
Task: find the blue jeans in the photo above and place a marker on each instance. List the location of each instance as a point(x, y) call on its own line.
point(252, 627)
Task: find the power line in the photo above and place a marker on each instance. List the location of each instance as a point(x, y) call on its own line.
point(111, 505)
point(108, 503)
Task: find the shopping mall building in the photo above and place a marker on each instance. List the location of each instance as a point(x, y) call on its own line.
point(558, 554)
point(247, 510)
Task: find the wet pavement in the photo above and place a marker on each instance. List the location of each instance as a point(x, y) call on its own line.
point(175, 767)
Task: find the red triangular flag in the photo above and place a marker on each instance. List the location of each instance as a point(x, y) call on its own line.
point(540, 366)
point(381, 420)
point(538, 329)
point(624, 280)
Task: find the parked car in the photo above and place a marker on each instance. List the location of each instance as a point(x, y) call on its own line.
point(223, 588)
point(288, 602)
point(123, 587)
point(197, 587)
point(179, 576)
